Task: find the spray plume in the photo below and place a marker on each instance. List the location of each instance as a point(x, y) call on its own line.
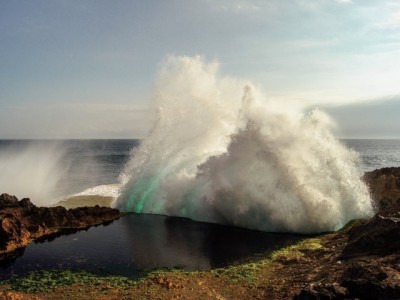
point(32, 169)
point(221, 152)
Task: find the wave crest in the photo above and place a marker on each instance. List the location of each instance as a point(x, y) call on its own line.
point(221, 152)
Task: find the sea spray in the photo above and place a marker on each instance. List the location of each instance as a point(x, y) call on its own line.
point(221, 152)
point(32, 169)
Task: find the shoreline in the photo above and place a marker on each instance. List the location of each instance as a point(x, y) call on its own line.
point(21, 222)
point(358, 261)
point(87, 200)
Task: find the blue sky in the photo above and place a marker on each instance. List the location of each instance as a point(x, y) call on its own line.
point(85, 69)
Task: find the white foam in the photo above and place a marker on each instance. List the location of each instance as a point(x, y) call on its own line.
point(222, 152)
point(107, 190)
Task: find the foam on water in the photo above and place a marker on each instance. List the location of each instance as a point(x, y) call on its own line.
point(105, 190)
point(221, 152)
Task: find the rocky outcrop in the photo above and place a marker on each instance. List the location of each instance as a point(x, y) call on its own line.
point(21, 221)
point(379, 236)
point(384, 185)
point(366, 261)
point(361, 263)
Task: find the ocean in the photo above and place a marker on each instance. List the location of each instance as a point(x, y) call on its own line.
point(50, 170)
point(376, 154)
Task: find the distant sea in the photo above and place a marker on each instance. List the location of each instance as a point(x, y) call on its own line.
point(84, 164)
point(376, 154)
point(55, 169)
point(69, 167)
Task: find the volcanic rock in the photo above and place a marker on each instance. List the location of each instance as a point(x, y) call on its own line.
point(368, 251)
point(370, 279)
point(8, 201)
point(369, 268)
point(384, 185)
point(379, 236)
point(22, 221)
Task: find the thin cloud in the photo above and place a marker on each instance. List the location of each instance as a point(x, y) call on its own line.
point(312, 43)
point(392, 22)
point(82, 120)
point(235, 6)
point(104, 107)
point(344, 1)
point(359, 120)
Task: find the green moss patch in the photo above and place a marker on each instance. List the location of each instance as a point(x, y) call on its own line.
point(296, 251)
point(250, 272)
point(43, 281)
point(246, 274)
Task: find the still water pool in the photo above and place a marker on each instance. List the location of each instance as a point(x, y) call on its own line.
point(138, 241)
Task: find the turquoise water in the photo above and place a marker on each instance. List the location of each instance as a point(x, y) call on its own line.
point(138, 241)
point(89, 163)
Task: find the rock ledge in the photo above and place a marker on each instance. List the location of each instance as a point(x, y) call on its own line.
point(21, 221)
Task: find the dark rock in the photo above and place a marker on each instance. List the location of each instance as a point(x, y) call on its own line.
point(26, 202)
point(369, 280)
point(8, 201)
point(379, 236)
point(395, 171)
point(322, 292)
point(362, 279)
point(21, 222)
point(369, 253)
point(384, 185)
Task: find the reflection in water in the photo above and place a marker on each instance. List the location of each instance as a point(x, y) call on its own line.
point(142, 241)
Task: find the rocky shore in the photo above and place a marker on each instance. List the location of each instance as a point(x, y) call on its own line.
point(361, 261)
point(21, 222)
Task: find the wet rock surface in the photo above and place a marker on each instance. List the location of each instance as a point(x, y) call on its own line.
point(21, 222)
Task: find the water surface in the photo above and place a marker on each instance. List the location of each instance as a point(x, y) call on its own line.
point(139, 241)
